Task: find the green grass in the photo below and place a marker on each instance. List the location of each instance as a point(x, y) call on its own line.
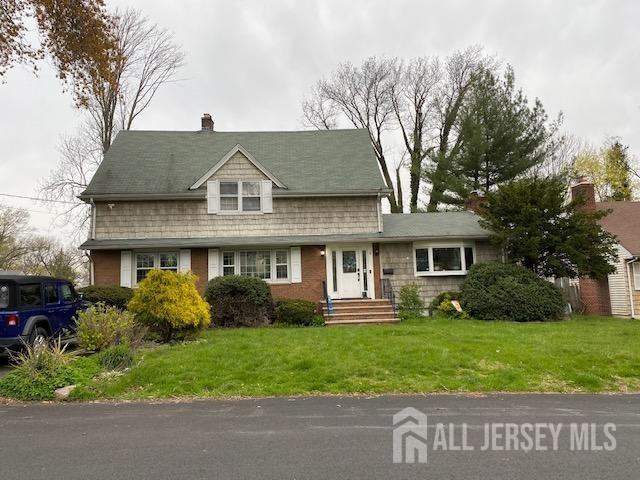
point(587, 354)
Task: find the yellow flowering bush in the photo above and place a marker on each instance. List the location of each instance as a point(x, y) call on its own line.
point(168, 303)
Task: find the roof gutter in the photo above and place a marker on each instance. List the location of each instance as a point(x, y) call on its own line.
point(199, 195)
point(123, 244)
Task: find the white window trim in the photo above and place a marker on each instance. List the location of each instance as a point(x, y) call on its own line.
point(635, 268)
point(156, 262)
point(442, 273)
point(272, 252)
point(239, 211)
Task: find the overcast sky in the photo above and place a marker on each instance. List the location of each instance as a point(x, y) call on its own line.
point(249, 63)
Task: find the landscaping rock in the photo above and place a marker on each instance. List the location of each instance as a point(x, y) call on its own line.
point(64, 392)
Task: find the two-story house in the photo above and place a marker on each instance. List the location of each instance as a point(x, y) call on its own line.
point(301, 210)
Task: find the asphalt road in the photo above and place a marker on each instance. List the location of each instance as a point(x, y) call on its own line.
point(326, 437)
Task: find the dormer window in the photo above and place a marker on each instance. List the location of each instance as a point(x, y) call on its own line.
point(250, 196)
point(243, 196)
point(229, 201)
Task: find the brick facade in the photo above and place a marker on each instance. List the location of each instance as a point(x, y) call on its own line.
point(199, 266)
point(314, 272)
point(594, 295)
point(376, 270)
point(106, 267)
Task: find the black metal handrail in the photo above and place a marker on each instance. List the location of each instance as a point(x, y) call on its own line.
point(327, 298)
point(388, 293)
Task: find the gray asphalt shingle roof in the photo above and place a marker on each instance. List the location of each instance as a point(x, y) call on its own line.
point(433, 225)
point(160, 162)
point(397, 227)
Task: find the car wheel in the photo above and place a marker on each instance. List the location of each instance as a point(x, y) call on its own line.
point(38, 337)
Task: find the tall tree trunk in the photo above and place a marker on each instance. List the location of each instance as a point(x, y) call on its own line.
point(400, 206)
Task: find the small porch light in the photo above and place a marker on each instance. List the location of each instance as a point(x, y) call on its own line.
point(322, 252)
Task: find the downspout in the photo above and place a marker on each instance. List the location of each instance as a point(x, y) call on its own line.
point(93, 237)
point(93, 219)
point(379, 213)
point(629, 275)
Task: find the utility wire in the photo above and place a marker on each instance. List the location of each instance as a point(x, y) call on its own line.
point(36, 198)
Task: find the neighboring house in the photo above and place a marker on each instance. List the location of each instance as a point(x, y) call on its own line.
point(619, 294)
point(299, 209)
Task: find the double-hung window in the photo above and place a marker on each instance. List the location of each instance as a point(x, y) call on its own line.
point(250, 196)
point(636, 274)
point(147, 261)
point(241, 196)
point(269, 265)
point(229, 201)
point(447, 259)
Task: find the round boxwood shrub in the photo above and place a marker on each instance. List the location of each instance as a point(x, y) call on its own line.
point(240, 301)
point(295, 311)
point(111, 295)
point(496, 291)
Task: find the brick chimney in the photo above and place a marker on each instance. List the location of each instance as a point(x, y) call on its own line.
point(594, 294)
point(585, 189)
point(475, 202)
point(207, 122)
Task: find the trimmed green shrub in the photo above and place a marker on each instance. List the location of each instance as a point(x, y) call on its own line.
point(240, 301)
point(448, 309)
point(116, 357)
point(101, 326)
point(169, 304)
point(295, 311)
point(441, 297)
point(496, 291)
point(112, 295)
point(41, 370)
point(409, 300)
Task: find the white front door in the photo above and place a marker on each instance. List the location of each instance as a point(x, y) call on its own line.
point(350, 271)
point(349, 268)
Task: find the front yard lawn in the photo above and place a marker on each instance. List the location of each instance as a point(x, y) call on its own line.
point(589, 354)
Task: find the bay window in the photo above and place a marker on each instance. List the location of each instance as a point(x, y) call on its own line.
point(269, 265)
point(443, 259)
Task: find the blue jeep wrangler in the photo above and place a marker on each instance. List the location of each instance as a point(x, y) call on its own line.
point(33, 309)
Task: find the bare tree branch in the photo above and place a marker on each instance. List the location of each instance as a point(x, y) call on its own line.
point(362, 96)
point(14, 227)
point(147, 59)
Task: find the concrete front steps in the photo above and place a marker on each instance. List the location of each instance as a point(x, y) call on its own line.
point(359, 311)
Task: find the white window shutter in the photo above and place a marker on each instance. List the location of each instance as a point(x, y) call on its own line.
point(125, 268)
point(267, 200)
point(213, 264)
point(185, 261)
point(296, 265)
point(213, 196)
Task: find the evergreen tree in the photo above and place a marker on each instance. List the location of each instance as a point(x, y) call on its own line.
point(537, 228)
point(617, 171)
point(501, 137)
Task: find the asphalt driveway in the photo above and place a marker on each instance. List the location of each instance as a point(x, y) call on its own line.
point(299, 438)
